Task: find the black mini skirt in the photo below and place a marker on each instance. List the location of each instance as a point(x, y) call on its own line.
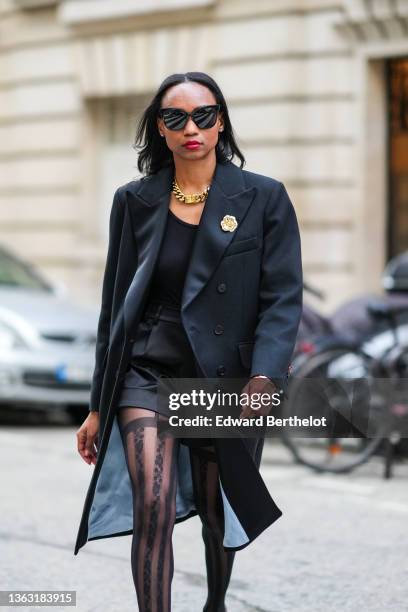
point(161, 348)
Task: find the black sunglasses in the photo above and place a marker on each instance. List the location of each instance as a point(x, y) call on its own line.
point(203, 116)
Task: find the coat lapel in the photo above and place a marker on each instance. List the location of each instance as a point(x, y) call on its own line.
point(228, 195)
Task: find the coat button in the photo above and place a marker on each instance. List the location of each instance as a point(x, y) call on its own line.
point(221, 287)
point(221, 370)
point(219, 329)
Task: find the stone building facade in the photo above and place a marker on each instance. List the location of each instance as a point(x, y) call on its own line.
point(308, 86)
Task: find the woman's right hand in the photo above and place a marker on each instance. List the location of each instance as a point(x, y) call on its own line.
point(87, 438)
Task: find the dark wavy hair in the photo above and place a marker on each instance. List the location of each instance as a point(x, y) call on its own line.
point(154, 153)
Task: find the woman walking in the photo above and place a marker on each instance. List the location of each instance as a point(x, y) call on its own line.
point(203, 278)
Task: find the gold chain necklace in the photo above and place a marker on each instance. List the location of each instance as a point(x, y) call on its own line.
point(192, 198)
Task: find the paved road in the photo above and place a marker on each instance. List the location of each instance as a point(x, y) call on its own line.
point(341, 543)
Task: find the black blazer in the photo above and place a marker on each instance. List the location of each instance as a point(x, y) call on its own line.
point(242, 298)
point(241, 308)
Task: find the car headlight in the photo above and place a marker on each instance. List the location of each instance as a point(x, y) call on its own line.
point(10, 338)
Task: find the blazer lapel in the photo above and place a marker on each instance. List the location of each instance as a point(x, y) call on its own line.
point(228, 195)
point(149, 223)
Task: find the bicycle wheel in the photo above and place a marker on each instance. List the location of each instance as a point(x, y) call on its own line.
point(333, 366)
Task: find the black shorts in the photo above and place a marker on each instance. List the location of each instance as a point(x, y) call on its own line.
point(161, 348)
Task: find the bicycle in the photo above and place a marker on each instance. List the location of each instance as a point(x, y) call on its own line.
point(364, 377)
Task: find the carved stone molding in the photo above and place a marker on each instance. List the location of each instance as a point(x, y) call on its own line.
point(126, 47)
point(133, 63)
point(82, 12)
point(373, 20)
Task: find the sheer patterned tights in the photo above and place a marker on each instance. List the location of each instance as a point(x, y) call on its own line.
point(151, 458)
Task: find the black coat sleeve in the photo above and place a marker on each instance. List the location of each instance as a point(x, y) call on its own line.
point(281, 290)
point(102, 337)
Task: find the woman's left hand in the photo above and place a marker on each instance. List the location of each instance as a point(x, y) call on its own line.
point(264, 388)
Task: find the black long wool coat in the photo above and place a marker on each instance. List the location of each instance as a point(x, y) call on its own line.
point(249, 281)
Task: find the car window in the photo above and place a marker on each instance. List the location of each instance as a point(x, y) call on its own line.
point(15, 273)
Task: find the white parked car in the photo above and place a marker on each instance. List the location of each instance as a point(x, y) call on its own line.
point(47, 343)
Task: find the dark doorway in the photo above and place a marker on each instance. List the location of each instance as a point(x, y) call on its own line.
point(397, 79)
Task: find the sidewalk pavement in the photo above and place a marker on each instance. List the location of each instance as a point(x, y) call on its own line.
point(340, 544)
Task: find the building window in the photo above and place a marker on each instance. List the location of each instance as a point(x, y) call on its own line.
point(397, 77)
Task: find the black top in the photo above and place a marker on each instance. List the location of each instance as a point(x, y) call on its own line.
point(172, 262)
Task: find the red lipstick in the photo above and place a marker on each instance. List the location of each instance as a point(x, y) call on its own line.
point(192, 144)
